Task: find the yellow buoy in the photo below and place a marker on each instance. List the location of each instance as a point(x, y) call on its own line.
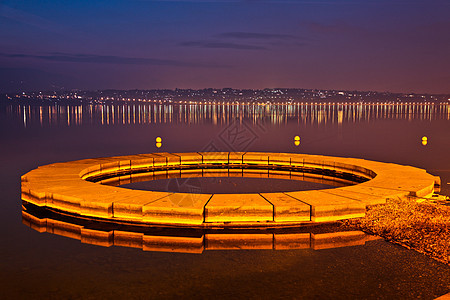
point(158, 145)
point(424, 140)
point(296, 143)
point(297, 138)
point(158, 139)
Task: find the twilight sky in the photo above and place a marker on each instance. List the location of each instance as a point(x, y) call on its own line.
point(385, 45)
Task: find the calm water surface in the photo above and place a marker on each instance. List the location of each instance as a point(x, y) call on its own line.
point(42, 265)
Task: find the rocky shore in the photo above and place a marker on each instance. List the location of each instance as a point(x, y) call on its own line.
point(423, 227)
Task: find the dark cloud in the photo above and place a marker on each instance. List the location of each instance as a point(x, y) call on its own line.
point(222, 45)
point(108, 59)
point(256, 36)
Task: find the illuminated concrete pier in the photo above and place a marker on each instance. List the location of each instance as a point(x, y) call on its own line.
point(85, 188)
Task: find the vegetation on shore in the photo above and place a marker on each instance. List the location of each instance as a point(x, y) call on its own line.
point(423, 227)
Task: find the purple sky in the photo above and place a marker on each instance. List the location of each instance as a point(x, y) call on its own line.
point(386, 45)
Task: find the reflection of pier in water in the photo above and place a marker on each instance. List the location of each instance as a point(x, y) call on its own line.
point(90, 231)
point(224, 113)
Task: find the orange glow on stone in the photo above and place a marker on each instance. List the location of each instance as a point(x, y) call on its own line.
point(70, 187)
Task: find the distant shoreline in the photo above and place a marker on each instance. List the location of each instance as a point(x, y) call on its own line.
point(221, 96)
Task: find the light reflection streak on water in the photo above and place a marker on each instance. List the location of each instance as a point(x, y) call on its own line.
point(24, 117)
point(315, 114)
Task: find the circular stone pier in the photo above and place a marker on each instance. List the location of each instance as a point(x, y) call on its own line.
point(85, 188)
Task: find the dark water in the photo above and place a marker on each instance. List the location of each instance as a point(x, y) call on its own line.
point(224, 185)
point(43, 265)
